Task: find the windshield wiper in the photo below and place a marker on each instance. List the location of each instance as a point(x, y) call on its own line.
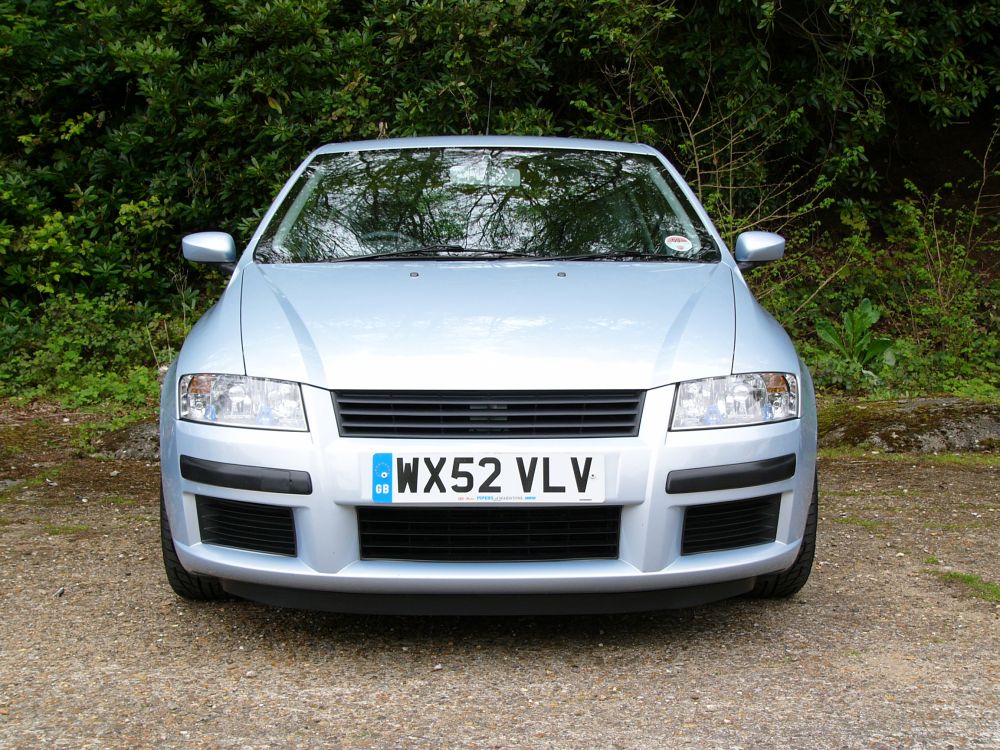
point(628, 256)
point(438, 252)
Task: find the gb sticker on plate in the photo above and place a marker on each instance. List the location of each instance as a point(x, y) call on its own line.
point(382, 477)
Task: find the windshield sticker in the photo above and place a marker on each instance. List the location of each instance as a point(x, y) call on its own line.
point(484, 173)
point(678, 244)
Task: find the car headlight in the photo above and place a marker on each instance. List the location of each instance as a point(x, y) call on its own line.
point(752, 398)
point(241, 401)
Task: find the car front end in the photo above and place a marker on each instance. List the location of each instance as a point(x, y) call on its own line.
point(446, 431)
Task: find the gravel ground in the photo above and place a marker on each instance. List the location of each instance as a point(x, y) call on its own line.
point(880, 650)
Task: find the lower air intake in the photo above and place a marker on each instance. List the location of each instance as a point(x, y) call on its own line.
point(489, 534)
point(252, 526)
point(740, 523)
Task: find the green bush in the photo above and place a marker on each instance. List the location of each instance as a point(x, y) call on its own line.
point(84, 350)
point(125, 124)
point(918, 270)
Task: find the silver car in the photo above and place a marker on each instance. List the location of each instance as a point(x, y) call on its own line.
point(487, 375)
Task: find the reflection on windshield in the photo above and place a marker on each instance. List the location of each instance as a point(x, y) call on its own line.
point(541, 203)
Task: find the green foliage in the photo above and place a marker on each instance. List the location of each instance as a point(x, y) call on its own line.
point(936, 278)
point(979, 588)
point(84, 350)
point(125, 124)
point(934, 301)
point(857, 352)
point(54, 529)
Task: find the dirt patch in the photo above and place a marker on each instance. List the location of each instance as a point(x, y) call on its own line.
point(877, 651)
point(137, 441)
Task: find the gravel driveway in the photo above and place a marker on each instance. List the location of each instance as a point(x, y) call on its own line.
point(882, 649)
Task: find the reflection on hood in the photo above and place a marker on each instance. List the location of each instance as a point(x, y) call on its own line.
point(507, 325)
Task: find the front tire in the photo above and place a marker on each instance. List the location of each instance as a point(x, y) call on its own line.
point(788, 582)
point(185, 584)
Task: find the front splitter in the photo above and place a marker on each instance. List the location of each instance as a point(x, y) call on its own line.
point(489, 604)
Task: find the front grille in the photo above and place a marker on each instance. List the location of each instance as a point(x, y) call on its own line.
point(253, 526)
point(489, 534)
point(740, 523)
point(488, 414)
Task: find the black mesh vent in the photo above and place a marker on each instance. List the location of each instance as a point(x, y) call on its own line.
point(740, 523)
point(488, 414)
point(253, 526)
point(489, 534)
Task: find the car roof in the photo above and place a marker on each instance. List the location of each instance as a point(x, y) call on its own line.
point(488, 141)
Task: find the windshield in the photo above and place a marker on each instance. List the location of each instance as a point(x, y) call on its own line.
point(493, 202)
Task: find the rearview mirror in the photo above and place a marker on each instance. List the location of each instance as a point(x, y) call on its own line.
point(209, 247)
point(756, 248)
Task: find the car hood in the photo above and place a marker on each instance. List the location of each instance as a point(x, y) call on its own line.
point(474, 325)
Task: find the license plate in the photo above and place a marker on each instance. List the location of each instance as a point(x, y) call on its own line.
point(401, 478)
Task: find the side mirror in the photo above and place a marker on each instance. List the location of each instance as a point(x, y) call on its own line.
point(210, 247)
point(756, 248)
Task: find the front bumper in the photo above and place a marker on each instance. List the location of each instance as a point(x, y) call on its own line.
point(321, 478)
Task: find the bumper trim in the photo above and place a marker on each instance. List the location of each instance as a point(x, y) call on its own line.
point(489, 604)
point(731, 476)
point(240, 477)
